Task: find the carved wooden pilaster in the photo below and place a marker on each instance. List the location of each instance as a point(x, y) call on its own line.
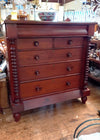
point(14, 78)
point(87, 67)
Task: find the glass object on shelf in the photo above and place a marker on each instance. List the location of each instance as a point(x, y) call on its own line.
point(19, 2)
point(69, 15)
point(94, 72)
point(14, 15)
point(98, 54)
point(84, 15)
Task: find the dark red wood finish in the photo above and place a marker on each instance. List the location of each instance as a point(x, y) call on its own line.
point(35, 43)
point(29, 58)
point(48, 62)
point(48, 86)
point(49, 71)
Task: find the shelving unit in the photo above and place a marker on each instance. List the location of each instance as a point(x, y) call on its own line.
point(97, 64)
point(94, 78)
point(94, 62)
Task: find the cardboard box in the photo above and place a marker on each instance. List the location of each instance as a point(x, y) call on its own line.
point(3, 94)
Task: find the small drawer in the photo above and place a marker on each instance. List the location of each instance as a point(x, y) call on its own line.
point(68, 42)
point(47, 71)
point(49, 86)
point(35, 43)
point(30, 58)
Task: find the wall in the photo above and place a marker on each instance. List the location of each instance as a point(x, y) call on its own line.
point(74, 5)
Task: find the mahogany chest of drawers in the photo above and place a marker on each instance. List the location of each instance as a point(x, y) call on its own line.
point(47, 63)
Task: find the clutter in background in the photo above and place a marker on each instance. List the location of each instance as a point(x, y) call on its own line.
point(3, 64)
point(94, 72)
point(3, 84)
point(95, 53)
point(94, 57)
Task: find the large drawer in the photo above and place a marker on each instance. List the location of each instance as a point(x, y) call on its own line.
point(68, 42)
point(49, 86)
point(34, 43)
point(47, 71)
point(29, 58)
point(52, 29)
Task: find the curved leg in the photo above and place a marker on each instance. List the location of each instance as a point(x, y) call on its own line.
point(84, 99)
point(17, 116)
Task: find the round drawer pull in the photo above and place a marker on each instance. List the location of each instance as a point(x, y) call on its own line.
point(69, 68)
point(37, 72)
point(36, 43)
point(36, 57)
point(69, 54)
point(69, 42)
point(38, 89)
point(68, 83)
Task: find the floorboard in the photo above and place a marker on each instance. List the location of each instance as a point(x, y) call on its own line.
point(54, 122)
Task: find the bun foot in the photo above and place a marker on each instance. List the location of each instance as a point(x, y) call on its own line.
point(17, 116)
point(84, 99)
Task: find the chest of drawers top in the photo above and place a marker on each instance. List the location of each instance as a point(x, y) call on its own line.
point(20, 29)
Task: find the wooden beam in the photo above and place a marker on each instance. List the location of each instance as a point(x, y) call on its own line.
point(61, 2)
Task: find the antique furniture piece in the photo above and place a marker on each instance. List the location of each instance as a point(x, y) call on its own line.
point(47, 62)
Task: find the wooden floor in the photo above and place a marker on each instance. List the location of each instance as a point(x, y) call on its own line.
point(52, 122)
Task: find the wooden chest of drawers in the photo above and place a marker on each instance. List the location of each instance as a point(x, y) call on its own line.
point(47, 62)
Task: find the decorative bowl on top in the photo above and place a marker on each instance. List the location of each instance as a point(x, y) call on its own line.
point(47, 16)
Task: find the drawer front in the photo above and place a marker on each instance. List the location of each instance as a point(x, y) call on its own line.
point(52, 29)
point(34, 44)
point(68, 42)
point(52, 70)
point(49, 86)
point(30, 58)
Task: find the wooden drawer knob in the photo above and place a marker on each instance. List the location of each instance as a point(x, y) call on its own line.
point(69, 42)
point(69, 68)
point(36, 57)
point(69, 54)
point(36, 43)
point(37, 72)
point(68, 83)
point(38, 89)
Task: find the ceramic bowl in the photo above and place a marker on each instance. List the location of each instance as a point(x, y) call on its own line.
point(47, 16)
